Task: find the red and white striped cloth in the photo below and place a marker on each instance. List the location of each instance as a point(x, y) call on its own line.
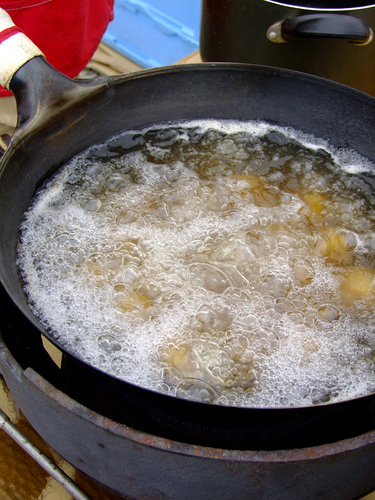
point(67, 31)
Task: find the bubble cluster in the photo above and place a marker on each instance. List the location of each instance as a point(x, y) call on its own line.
point(225, 262)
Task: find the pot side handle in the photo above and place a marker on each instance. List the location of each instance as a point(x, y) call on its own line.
point(336, 26)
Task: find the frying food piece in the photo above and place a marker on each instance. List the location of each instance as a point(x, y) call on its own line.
point(355, 285)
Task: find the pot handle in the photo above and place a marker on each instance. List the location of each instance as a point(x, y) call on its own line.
point(39, 89)
point(337, 26)
point(16, 49)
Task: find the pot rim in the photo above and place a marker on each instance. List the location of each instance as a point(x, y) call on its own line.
point(303, 5)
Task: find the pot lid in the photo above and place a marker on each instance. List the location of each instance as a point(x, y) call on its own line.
point(325, 4)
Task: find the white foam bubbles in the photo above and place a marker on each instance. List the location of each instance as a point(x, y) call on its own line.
point(227, 262)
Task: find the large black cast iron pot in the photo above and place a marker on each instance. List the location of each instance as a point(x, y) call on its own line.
point(59, 118)
point(332, 39)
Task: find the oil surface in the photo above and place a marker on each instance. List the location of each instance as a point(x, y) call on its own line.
point(231, 263)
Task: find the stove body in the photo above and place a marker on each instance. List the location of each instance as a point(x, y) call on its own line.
point(141, 465)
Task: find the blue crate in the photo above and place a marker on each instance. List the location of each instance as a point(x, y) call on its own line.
point(154, 32)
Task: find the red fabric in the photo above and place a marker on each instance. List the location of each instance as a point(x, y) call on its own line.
point(67, 31)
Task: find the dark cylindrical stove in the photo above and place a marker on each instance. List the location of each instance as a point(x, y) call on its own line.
point(141, 465)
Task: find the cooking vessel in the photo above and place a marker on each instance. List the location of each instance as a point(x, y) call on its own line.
point(59, 117)
point(326, 38)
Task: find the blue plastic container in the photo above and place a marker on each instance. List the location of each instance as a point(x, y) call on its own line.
point(154, 32)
